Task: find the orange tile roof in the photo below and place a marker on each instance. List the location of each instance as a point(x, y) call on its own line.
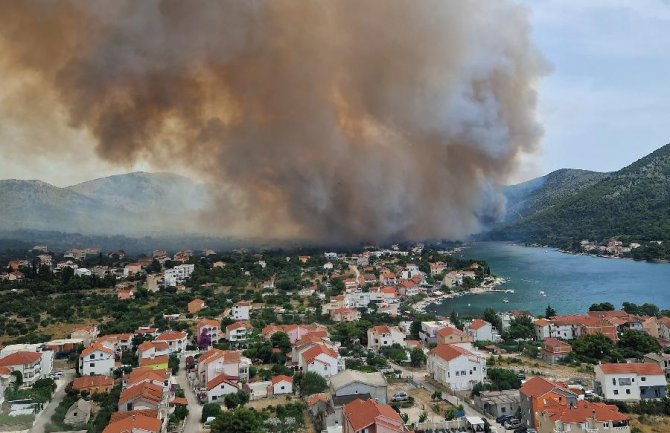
point(116, 416)
point(640, 368)
point(171, 336)
point(381, 329)
point(208, 322)
point(538, 386)
point(20, 358)
point(162, 359)
point(311, 354)
point(478, 324)
point(95, 347)
point(145, 391)
point(450, 351)
point(364, 413)
point(92, 382)
point(448, 330)
point(555, 343)
point(133, 424)
point(541, 322)
point(140, 374)
point(281, 378)
point(582, 411)
point(5, 370)
point(239, 325)
point(313, 399)
point(222, 378)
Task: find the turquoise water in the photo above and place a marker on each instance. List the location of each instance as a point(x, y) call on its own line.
point(571, 282)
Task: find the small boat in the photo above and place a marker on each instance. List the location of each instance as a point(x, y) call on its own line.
point(542, 293)
point(506, 301)
point(509, 291)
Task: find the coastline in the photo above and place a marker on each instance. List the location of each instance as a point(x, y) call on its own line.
point(488, 286)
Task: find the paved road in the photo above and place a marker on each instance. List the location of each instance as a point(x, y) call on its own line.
point(192, 424)
point(44, 417)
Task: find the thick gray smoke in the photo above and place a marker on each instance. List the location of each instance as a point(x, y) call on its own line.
point(326, 119)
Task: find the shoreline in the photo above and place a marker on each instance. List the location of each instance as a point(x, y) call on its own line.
point(487, 287)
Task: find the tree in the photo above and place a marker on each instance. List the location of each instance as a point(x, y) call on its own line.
point(417, 357)
point(635, 344)
point(594, 348)
point(210, 410)
point(453, 318)
point(549, 312)
point(239, 398)
point(312, 383)
point(18, 378)
point(492, 317)
point(281, 341)
point(415, 329)
point(437, 395)
point(422, 417)
point(241, 420)
point(173, 364)
point(204, 340)
point(604, 306)
point(521, 327)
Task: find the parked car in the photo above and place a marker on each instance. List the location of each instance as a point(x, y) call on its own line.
point(400, 396)
point(513, 423)
point(521, 376)
point(56, 374)
point(504, 418)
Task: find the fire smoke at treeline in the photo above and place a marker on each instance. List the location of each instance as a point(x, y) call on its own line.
point(331, 120)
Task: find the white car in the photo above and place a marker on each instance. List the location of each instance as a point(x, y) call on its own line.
point(56, 374)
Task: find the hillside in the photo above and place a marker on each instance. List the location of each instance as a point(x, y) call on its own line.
point(136, 203)
point(633, 203)
point(541, 193)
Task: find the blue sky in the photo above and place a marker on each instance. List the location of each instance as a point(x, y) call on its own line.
point(606, 101)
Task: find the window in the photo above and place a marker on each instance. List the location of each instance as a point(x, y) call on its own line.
point(616, 392)
point(643, 379)
point(92, 364)
point(503, 409)
point(613, 381)
point(457, 373)
point(627, 390)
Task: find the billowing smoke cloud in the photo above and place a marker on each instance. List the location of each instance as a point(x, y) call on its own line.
point(327, 119)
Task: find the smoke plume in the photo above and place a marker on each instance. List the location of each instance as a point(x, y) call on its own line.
point(335, 120)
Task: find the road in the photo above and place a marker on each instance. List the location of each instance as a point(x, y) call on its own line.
point(44, 417)
point(192, 424)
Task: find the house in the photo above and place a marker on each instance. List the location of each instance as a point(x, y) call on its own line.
point(662, 359)
point(428, 332)
point(368, 416)
point(456, 367)
point(7, 379)
point(451, 335)
point(135, 424)
point(480, 330)
point(240, 310)
point(176, 340)
point(147, 331)
point(295, 332)
point(345, 314)
point(351, 384)
point(153, 354)
point(554, 350)
point(498, 403)
point(140, 375)
point(119, 342)
point(195, 306)
point(384, 336)
point(29, 364)
point(437, 268)
point(219, 386)
point(281, 385)
point(542, 329)
point(229, 362)
point(537, 392)
point(131, 269)
point(143, 396)
point(125, 294)
point(581, 417)
point(93, 384)
point(210, 329)
point(634, 381)
point(79, 413)
point(327, 266)
point(82, 272)
point(177, 275)
point(97, 359)
point(320, 359)
point(238, 331)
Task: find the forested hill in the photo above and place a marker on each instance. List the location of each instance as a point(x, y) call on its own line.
point(633, 203)
point(543, 192)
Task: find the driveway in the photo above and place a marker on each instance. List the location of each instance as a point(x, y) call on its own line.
point(45, 416)
point(192, 424)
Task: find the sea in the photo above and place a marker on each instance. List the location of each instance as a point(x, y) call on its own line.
point(569, 283)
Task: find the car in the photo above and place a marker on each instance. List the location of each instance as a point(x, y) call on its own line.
point(503, 418)
point(520, 376)
point(400, 396)
point(511, 424)
point(56, 374)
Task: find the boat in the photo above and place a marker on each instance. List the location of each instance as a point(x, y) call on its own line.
point(542, 293)
point(505, 300)
point(509, 290)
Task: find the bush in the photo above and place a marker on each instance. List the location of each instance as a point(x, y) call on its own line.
point(210, 410)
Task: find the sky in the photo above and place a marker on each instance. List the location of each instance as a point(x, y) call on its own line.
point(604, 104)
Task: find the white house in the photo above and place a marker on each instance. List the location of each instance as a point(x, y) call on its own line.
point(28, 363)
point(634, 381)
point(177, 275)
point(238, 331)
point(82, 272)
point(97, 359)
point(215, 362)
point(456, 367)
point(282, 385)
point(481, 330)
point(320, 359)
point(384, 336)
point(218, 387)
point(328, 266)
point(542, 329)
point(240, 310)
point(211, 328)
point(176, 340)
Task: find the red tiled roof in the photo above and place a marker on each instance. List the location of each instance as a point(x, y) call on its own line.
point(85, 382)
point(363, 413)
point(538, 386)
point(311, 354)
point(162, 359)
point(95, 347)
point(449, 351)
point(281, 378)
point(313, 399)
point(646, 368)
point(116, 416)
point(218, 380)
point(145, 391)
point(238, 325)
point(20, 358)
point(208, 322)
point(131, 423)
point(448, 330)
point(582, 411)
point(171, 336)
point(478, 324)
